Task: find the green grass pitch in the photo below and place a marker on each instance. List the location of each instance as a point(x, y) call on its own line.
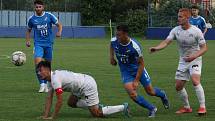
point(19, 100)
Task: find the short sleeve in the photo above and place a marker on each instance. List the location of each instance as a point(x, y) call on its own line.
point(171, 35)
point(200, 37)
point(29, 23)
point(53, 18)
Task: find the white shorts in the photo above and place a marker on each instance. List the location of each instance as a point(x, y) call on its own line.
point(90, 91)
point(185, 70)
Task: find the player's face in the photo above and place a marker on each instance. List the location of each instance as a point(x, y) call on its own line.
point(44, 73)
point(182, 18)
point(194, 12)
point(121, 36)
point(39, 9)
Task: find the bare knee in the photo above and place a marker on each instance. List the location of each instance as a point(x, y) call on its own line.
point(179, 85)
point(72, 101)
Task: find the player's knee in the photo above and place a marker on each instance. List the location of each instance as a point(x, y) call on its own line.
point(178, 87)
point(72, 103)
point(133, 96)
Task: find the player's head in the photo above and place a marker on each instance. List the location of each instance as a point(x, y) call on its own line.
point(122, 32)
point(194, 10)
point(44, 70)
point(39, 7)
point(183, 16)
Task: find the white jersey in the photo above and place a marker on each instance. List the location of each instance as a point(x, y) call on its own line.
point(69, 81)
point(188, 40)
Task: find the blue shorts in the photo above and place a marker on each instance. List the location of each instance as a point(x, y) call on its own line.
point(129, 77)
point(43, 52)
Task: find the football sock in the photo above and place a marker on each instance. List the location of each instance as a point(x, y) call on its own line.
point(200, 95)
point(81, 104)
point(107, 110)
point(142, 102)
point(159, 93)
point(184, 97)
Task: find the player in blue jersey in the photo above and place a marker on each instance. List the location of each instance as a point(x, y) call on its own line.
point(197, 20)
point(130, 60)
point(41, 22)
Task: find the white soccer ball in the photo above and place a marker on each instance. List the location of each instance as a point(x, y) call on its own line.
point(18, 58)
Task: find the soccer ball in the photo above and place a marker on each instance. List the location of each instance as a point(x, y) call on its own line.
point(18, 58)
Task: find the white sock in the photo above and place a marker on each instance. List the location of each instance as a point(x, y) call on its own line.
point(200, 95)
point(184, 97)
point(81, 104)
point(107, 110)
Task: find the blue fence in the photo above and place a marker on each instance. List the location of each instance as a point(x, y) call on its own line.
point(68, 32)
point(162, 33)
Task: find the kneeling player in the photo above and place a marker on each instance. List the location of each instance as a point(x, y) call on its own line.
point(80, 85)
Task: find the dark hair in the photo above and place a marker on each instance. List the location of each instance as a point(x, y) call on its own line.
point(40, 2)
point(46, 64)
point(194, 7)
point(122, 27)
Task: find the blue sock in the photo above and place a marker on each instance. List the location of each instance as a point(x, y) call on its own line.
point(38, 76)
point(158, 92)
point(142, 102)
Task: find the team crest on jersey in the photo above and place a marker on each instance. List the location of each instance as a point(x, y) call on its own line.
point(190, 35)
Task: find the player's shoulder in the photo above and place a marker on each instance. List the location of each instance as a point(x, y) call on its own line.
point(113, 39)
point(194, 28)
point(176, 28)
point(49, 14)
point(30, 17)
point(136, 44)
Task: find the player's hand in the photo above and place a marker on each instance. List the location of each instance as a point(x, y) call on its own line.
point(28, 44)
point(189, 58)
point(135, 84)
point(152, 49)
point(58, 34)
point(113, 62)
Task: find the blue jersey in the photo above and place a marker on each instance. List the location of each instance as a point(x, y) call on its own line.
point(127, 55)
point(198, 22)
point(42, 26)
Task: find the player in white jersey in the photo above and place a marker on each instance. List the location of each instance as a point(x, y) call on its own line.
point(192, 46)
point(83, 89)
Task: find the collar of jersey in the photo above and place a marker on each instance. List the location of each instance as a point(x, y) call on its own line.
point(126, 44)
point(41, 15)
point(195, 17)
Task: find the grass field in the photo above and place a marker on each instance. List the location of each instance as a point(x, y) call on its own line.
point(20, 101)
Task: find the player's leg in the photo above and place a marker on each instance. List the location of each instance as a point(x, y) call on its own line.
point(72, 101)
point(182, 74)
point(92, 100)
point(195, 70)
point(97, 111)
point(146, 82)
point(140, 100)
point(48, 57)
point(38, 56)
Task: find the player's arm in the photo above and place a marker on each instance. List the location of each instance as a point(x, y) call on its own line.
point(160, 46)
point(139, 72)
point(203, 49)
point(60, 28)
point(205, 30)
point(48, 104)
point(28, 36)
point(112, 59)
point(59, 94)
